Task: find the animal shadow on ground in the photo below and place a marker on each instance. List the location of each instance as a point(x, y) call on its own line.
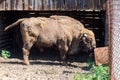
point(50, 56)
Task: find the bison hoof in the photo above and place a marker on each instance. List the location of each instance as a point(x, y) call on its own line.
point(26, 63)
point(65, 63)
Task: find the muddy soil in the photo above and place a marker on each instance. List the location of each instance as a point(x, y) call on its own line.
point(43, 67)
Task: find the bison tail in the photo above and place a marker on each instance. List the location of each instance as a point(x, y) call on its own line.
point(14, 24)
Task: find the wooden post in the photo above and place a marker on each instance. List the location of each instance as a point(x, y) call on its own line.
point(114, 44)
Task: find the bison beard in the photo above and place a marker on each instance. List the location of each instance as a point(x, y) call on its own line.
point(62, 31)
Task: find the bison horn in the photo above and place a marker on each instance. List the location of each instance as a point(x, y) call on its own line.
point(85, 35)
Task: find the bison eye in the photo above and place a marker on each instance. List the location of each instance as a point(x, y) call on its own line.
point(87, 40)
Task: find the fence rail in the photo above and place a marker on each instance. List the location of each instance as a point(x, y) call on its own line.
point(52, 5)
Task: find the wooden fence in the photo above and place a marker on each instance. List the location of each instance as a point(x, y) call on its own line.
point(52, 5)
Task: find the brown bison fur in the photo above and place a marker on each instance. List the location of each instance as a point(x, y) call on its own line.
point(60, 31)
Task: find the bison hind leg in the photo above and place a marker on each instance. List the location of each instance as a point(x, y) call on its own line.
point(26, 50)
point(25, 56)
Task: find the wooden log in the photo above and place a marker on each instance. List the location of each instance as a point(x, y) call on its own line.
point(101, 55)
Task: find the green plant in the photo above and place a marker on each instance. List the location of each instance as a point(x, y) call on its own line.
point(97, 72)
point(5, 53)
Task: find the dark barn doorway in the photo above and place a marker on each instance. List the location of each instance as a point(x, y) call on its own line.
point(93, 20)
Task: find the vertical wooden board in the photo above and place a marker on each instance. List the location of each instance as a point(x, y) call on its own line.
point(33, 4)
point(92, 4)
point(25, 4)
point(8, 4)
point(62, 4)
point(2, 5)
point(78, 5)
point(66, 4)
point(36, 5)
point(19, 5)
point(54, 4)
point(58, 4)
point(70, 4)
point(39, 5)
point(90, 7)
point(48, 7)
point(75, 7)
point(42, 1)
point(45, 4)
point(82, 4)
point(48, 4)
point(96, 4)
point(87, 4)
point(13, 4)
point(30, 4)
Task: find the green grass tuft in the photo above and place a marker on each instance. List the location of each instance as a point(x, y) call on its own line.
point(5, 54)
point(97, 72)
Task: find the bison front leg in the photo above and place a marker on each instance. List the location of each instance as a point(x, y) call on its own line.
point(63, 54)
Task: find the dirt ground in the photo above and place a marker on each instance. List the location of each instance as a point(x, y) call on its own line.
point(43, 67)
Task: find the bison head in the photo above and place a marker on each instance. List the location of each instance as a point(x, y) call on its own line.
point(87, 43)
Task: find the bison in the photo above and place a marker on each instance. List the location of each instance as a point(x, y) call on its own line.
point(62, 32)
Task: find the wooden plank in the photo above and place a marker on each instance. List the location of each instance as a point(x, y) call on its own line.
point(12, 6)
point(78, 5)
point(45, 4)
point(52, 4)
point(59, 4)
point(40, 4)
point(62, 4)
point(2, 5)
point(7, 5)
point(55, 4)
point(30, 6)
point(19, 5)
point(48, 4)
point(26, 5)
point(36, 4)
